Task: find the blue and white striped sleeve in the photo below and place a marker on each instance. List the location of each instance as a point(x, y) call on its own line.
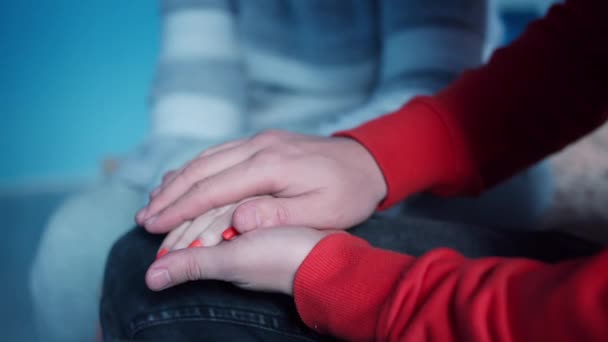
point(425, 46)
point(199, 89)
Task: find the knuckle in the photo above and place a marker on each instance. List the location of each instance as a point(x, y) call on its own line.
point(271, 165)
point(209, 150)
point(191, 172)
point(192, 268)
point(177, 212)
point(168, 175)
point(239, 217)
point(200, 198)
point(182, 177)
point(292, 148)
point(282, 214)
point(268, 137)
point(267, 158)
point(200, 187)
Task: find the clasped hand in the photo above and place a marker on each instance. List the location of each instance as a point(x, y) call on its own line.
point(300, 188)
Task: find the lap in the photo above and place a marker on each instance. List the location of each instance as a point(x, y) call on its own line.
point(209, 310)
point(213, 310)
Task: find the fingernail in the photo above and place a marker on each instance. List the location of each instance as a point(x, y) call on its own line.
point(230, 234)
point(162, 253)
point(196, 243)
point(151, 220)
point(160, 279)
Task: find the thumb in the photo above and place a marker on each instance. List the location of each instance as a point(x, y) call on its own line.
point(188, 264)
point(269, 212)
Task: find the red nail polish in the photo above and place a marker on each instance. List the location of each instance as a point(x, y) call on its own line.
point(196, 243)
point(162, 253)
point(230, 234)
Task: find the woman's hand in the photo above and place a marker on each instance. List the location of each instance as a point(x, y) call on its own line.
point(313, 181)
point(264, 259)
point(204, 231)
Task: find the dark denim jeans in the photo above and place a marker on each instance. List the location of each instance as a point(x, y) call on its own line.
point(218, 311)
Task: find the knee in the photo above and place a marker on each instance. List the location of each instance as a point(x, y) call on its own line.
point(130, 256)
point(132, 245)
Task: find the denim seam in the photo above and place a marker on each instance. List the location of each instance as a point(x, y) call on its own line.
point(177, 315)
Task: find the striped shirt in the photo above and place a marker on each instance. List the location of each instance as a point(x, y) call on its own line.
point(231, 68)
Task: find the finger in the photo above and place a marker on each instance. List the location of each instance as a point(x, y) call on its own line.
point(199, 169)
point(171, 238)
point(167, 177)
point(269, 212)
point(212, 235)
point(170, 175)
point(190, 264)
point(241, 181)
point(198, 226)
point(221, 147)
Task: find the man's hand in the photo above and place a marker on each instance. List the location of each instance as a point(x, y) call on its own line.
point(204, 231)
point(311, 181)
point(265, 259)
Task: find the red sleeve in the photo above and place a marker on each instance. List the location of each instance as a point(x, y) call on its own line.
point(353, 291)
point(543, 91)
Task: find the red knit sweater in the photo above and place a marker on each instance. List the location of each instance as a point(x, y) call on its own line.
point(542, 92)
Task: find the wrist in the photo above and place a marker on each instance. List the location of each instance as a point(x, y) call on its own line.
point(364, 161)
point(416, 150)
point(299, 254)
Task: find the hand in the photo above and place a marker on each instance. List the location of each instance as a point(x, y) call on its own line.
point(204, 231)
point(263, 260)
point(314, 181)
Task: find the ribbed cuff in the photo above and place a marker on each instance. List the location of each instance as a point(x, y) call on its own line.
point(415, 150)
point(335, 288)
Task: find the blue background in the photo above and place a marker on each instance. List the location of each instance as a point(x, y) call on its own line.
point(74, 77)
point(74, 82)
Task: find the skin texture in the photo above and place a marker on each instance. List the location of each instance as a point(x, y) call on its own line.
point(320, 182)
point(248, 261)
point(299, 188)
point(204, 231)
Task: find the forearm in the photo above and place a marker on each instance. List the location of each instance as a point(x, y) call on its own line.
point(535, 96)
point(353, 291)
point(532, 98)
